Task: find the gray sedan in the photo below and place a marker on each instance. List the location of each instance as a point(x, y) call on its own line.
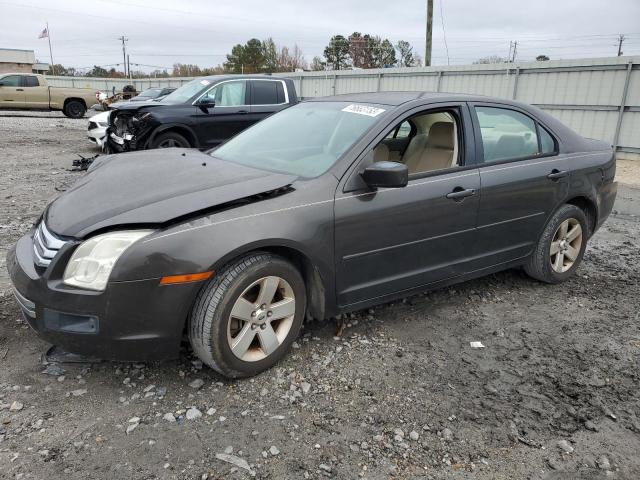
point(330, 206)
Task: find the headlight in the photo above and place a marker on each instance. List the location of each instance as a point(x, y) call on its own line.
point(92, 262)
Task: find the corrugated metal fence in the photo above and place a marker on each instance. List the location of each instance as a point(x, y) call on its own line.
point(599, 98)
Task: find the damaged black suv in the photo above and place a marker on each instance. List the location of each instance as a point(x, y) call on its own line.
point(202, 113)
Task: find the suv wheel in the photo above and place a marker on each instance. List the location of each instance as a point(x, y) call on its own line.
point(247, 317)
point(561, 246)
point(170, 140)
point(74, 109)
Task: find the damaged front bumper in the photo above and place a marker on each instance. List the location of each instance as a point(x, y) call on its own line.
point(127, 133)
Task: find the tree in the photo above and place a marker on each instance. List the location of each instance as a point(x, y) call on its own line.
point(62, 70)
point(358, 50)
point(185, 70)
point(271, 56)
point(405, 50)
point(97, 71)
point(542, 58)
point(491, 59)
point(337, 53)
point(317, 65)
point(290, 61)
point(384, 55)
point(247, 58)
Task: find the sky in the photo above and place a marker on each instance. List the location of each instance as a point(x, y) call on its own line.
point(162, 32)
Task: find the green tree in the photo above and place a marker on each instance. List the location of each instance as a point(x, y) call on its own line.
point(542, 58)
point(270, 54)
point(386, 55)
point(97, 71)
point(405, 50)
point(337, 53)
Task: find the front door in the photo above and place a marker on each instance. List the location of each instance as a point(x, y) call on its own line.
point(523, 179)
point(391, 240)
point(11, 92)
point(229, 116)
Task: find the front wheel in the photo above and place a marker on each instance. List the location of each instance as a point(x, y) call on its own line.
point(247, 317)
point(170, 140)
point(561, 246)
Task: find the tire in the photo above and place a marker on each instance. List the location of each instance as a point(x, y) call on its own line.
point(74, 109)
point(169, 140)
point(218, 338)
point(557, 267)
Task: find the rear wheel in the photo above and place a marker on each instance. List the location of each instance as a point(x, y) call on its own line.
point(74, 109)
point(561, 246)
point(247, 317)
point(170, 140)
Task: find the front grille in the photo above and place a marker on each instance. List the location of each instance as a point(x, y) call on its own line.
point(45, 245)
point(92, 125)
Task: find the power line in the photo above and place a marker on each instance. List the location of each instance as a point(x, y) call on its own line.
point(444, 32)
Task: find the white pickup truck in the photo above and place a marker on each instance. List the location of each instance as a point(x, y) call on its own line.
point(25, 91)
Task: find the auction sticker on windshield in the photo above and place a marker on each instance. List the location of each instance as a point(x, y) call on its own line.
point(363, 110)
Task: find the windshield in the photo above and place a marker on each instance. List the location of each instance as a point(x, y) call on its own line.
point(305, 140)
point(186, 91)
point(152, 92)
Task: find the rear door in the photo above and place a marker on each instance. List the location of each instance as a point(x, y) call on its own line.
point(229, 116)
point(523, 179)
point(11, 92)
point(267, 97)
point(36, 95)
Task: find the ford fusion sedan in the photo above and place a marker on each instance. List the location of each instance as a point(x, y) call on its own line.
point(330, 206)
point(202, 113)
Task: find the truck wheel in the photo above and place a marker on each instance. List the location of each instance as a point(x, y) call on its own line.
point(74, 109)
point(249, 314)
point(561, 246)
point(169, 140)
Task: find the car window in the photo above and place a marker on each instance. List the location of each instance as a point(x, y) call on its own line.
point(228, 94)
point(30, 81)
point(506, 134)
point(434, 146)
point(11, 81)
point(187, 91)
point(265, 92)
point(547, 143)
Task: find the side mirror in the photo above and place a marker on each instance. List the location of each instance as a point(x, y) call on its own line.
point(386, 175)
point(205, 105)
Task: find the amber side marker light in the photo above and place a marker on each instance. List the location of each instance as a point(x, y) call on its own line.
point(186, 278)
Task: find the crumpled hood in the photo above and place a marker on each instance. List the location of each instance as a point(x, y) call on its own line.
point(153, 187)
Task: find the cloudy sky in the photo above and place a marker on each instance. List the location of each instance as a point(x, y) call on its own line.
point(161, 32)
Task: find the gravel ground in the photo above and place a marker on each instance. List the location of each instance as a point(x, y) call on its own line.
point(399, 394)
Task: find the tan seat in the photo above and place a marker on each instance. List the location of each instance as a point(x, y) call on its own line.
point(433, 152)
point(381, 153)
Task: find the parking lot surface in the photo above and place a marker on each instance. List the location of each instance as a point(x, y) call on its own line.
point(391, 392)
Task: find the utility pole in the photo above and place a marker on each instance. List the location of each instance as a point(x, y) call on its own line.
point(53, 67)
point(621, 39)
point(515, 51)
point(129, 66)
point(124, 53)
point(429, 34)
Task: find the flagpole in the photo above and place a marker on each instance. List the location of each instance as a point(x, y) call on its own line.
point(53, 68)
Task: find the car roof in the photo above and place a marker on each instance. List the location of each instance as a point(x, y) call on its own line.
point(217, 78)
point(398, 98)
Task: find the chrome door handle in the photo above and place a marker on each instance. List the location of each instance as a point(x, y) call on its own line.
point(557, 174)
point(243, 111)
point(460, 193)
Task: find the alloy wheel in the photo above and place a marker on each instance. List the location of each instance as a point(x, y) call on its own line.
point(261, 318)
point(566, 245)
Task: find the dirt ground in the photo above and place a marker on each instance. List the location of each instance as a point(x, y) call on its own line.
point(400, 394)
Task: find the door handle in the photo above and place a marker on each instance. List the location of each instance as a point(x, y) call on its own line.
point(243, 111)
point(557, 174)
point(458, 194)
point(19, 90)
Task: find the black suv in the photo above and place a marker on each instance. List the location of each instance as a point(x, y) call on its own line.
point(202, 113)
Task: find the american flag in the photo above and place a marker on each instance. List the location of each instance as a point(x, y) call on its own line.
point(44, 34)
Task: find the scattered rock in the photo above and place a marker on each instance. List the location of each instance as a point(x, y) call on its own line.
point(274, 450)
point(132, 427)
point(16, 407)
point(197, 384)
point(603, 463)
point(169, 417)
point(78, 393)
point(565, 446)
point(193, 413)
point(237, 461)
point(414, 435)
point(447, 435)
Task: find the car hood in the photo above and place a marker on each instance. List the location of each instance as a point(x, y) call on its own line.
point(153, 188)
point(133, 106)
